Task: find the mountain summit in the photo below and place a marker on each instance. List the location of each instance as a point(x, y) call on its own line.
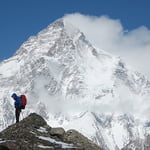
point(73, 84)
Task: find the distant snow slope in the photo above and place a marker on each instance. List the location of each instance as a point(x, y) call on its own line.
point(75, 85)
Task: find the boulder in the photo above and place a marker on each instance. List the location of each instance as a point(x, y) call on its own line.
point(60, 132)
point(77, 138)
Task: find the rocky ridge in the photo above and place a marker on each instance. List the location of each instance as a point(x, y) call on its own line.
point(33, 133)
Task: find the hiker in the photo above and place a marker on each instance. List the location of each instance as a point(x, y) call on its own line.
point(20, 102)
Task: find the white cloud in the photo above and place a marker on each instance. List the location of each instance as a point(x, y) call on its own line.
point(108, 34)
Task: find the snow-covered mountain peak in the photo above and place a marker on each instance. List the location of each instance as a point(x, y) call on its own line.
point(48, 37)
point(70, 82)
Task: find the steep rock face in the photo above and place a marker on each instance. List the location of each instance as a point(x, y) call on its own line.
point(75, 85)
point(34, 133)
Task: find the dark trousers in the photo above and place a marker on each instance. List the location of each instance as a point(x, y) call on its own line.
point(17, 113)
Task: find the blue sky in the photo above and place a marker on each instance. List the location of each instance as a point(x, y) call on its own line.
point(20, 19)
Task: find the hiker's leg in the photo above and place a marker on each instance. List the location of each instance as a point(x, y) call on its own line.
point(17, 114)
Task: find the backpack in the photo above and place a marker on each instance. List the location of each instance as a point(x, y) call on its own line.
point(24, 101)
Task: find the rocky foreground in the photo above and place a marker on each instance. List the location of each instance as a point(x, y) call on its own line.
point(33, 133)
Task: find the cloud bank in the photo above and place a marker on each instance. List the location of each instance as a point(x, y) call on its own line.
point(108, 34)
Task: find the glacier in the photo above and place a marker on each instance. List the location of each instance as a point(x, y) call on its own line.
point(74, 84)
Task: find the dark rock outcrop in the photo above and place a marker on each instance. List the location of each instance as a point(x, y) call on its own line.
point(33, 133)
